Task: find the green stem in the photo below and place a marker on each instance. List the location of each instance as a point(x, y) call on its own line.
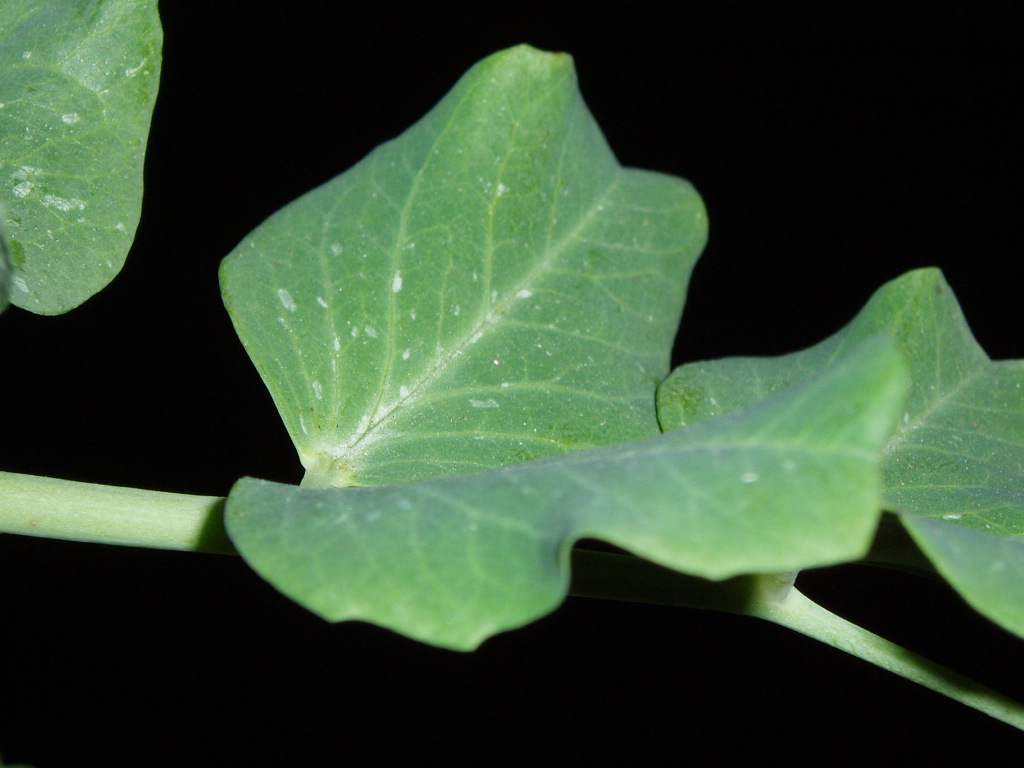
point(613, 576)
point(42, 506)
point(63, 509)
point(795, 611)
point(893, 548)
point(775, 599)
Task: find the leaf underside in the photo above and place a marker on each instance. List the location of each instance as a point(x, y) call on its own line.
point(79, 79)
point(954, 467)
point(472, 322)
point(491, 287)
point(787, 484)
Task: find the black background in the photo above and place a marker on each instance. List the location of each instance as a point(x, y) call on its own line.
point(836, 144)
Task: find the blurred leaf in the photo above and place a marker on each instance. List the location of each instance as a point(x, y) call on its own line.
point(79, 78)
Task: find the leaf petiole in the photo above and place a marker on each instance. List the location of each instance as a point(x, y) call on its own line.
point(773, 597)
point(794, 610)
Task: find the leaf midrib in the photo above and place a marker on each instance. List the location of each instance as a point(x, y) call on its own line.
point(493, 313)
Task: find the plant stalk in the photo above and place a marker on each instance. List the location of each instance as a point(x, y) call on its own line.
point(65, 509)
point(774, 598)
point(42, 506)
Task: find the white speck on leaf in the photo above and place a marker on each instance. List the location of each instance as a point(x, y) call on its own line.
point(336, 249)
point(337, 344)
point(403, 392)
point(22, 189)
point(396, 282)
point(502, 189)
point(64, 204)
point(371, 331)
point(488, 403)
point(70, 118)
point(321, 302)
point(749, 477)
point(133, 71)
point(406, 354)
point(318, 390)
point(524, 294)
point(286, 299)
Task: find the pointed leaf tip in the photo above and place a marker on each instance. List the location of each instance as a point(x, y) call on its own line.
point(490, 287)
point(954, 467)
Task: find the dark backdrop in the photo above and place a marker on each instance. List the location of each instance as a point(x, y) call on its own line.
point(836, 144)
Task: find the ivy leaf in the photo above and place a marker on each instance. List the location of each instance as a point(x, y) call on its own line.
point(955, 467)
point(488, 288)
point(789, 483)
point(79, 78)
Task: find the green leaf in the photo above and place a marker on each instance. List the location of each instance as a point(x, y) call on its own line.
point(954, 469)
point(488, 288)
point(789, 483)
point(987, 568)
point(5, 267)
point(79, 78)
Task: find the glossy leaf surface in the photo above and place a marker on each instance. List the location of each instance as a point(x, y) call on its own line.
point(488, 288)
point(79, 79)
point(954, 468)
point(789, 483)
